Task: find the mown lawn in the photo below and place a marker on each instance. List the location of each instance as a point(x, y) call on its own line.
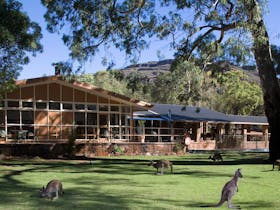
point(128, 183)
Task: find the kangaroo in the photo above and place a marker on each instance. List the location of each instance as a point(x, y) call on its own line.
point(216, 156)
point(161, 164)
point(276, 162)
point(228, 191)
point(52, 190)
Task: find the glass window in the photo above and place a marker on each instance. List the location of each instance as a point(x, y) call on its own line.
point(125, 109)
point(103, 108)
point(2, 118)
point(80, 118)
point(80, 106)
point(13, 116)
point(103, 119)
point(124, 121)
point(54, 105)
point(13, 104)
point(67, 106)
point(114, 119)
point(91, 118)
point(80, 132)
point(2, 103)
point(115, 108)
point(91, 107)
point(27, 104)
point(41, 105)
point(27, 117)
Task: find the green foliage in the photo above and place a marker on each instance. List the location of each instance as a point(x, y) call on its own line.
point(19, 36)
point(239, 96)
point(178, 147)
point(118, 150)
point(182, 85)
point(108, 80)
point(72, 136)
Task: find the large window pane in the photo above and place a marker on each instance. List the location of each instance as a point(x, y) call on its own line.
point(13, 116)
point(80, 118)
point(114, 119)
point(2, 118)
point(92, 119)
point(103, 120)
point(27, 117)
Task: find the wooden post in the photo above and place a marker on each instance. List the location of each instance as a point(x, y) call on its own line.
point(199, 131)
point(244, 133)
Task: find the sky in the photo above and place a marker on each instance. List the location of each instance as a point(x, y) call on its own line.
point(55, 51)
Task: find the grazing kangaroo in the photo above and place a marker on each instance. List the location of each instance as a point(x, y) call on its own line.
point(216, 156)
point(228, 191)
point(161, 164)
point(276, 162)
point(52, 190)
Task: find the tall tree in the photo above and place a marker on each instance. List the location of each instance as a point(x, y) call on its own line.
point(229, 26)
point(18, 38)
point(239, 96)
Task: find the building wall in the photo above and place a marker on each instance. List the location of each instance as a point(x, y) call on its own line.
point(50, 111)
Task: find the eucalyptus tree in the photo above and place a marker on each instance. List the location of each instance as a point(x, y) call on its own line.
point(19, 38)
point(183, 85)
point(105, 80)
point(232, 27)
point(238, 95)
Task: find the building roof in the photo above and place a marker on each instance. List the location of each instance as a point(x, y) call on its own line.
point(85, 87)
point(174, 112)
point(241, 119)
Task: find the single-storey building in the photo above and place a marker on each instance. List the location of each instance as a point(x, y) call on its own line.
point(208, 129)
point(48, 110)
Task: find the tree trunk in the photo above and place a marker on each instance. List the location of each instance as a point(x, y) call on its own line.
point(267, 73)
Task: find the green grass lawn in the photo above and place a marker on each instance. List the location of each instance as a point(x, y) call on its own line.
point(128, 183)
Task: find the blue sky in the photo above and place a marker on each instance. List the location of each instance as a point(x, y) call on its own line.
point(54, 49)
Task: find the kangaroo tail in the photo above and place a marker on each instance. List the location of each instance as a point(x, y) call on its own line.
point(215, 206)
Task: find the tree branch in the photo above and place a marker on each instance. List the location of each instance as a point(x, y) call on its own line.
point(223, 28)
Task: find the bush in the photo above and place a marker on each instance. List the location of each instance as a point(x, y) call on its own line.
point(71, 143)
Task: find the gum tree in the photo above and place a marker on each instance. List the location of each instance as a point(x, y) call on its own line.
point(205, 28)
point(19, 38)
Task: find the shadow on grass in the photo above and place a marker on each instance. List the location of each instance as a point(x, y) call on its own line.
point(244, 205)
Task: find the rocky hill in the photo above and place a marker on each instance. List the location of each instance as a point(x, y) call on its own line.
point(152, 69)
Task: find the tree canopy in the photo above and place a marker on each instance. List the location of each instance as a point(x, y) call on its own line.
point(209, 29)
point(19, 38)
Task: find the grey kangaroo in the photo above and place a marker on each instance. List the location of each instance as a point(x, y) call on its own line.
point(52, 190)
point(216, 156)
point(276, 162)
point(228, 191)
point(161, 164)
